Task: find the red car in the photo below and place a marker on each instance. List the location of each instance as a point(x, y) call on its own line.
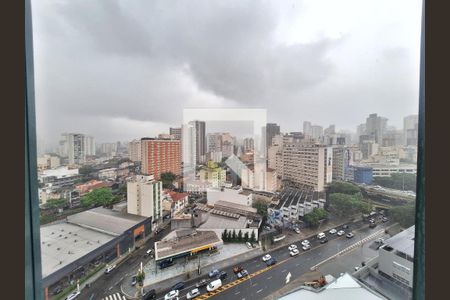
point(237, 269)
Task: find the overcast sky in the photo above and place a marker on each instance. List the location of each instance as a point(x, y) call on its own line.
point(119, 70)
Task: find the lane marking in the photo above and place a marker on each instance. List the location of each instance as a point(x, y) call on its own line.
point(283, 271)
point(259, 291)
point(237, 293)
point(270, 277)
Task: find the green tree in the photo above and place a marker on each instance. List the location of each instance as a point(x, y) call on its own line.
point(344, 204)
point(404, 215)
point(229, 236)
point(246, 236)
point(398, 181)
point(234, 237)
point(253, 237)
point(56, 203)
point(225, 235)
point(86, 169)
point(315, 216)
point(167, 179)
point(261, 207)
point(101, 196)
point(239, 236)
point(344, 188)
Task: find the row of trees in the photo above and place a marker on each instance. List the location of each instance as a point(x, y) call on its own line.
point(404, 215)
point(314, 217)
point(398, 181)
point(346, 199)
point(232, 237)
point(102, 196)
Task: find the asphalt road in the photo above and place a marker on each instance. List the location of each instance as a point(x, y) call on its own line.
point(273, 279)
point(108, 284)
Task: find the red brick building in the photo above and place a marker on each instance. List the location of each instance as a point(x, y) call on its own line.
point(160, 156)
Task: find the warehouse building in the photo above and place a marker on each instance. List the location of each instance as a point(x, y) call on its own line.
point(85, 242)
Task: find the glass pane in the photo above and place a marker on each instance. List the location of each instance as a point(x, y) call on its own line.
point(247, 148)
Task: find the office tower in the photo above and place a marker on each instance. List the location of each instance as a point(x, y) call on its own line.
point(272, 129)
point(214, 142)
point(376, 127)
point(74, 147)
point(307, 132)
point(249, 144)
point(144, 197)
point(89, 145)
point(200, 140)
point(160, 156)
point(410, 130)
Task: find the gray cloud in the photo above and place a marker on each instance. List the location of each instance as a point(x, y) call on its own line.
point(145, 61)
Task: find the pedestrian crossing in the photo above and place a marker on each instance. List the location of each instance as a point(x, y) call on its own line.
point(116, 296)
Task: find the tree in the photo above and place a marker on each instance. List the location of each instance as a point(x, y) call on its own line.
point(167, 179)
point(229, 236)
point(344, 204)
point(253, 237)
point(225, 235)
point(398, 181)
point(315, 216)
point(233, 237)
point(55, 203)
point(101, 196)
point(344, 188)
point(86, 169)
point(404, 215)
point(239, 236)
point(261, 207)
point(246, 236)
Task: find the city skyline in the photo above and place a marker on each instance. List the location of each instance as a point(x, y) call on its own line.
point(360, 60)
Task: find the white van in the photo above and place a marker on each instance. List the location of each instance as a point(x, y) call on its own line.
point(321, 235)
point(214, 285)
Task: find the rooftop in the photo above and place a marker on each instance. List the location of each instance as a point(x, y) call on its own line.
point(105, 220)
point(232, 205)
point(185, 244)
point(223, 222)
point(63, 243)
point(404, 241)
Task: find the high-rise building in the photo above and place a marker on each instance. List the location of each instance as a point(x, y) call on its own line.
point(144, 197)
point(74, 147)
point(307, 164)
point(160, 156)
point(108, 149)
point(213, 174)
point(134, 150)
point(272, 129)
point(176, 132)
point(316, 132)
point(249, 144)
point(214, 142)
point(307, 131)
point(376, 127)
point(200, 140)
point(89, 145)
point(410, 130)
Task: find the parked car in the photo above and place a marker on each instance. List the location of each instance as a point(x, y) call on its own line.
point(158, 231)
point(171, 295)
point(148, 252)
point(292, 247)
point(271, 262)
point(379, 241)
point(242, 274)
point(267, 227)
point(384, 219)
point(346, 226)
point(297, 230)
point(73, 295)
point(57, 290)
point(202, 283)
point(133, 280)
point(305, 242)
point(350, 235)
point(266, 257)
point(306, 247)
point(237, 269)
point(294, 252)
point(178, 286)
point(213, 273)
point(214, 285)
point(373, 225)
point(340, 232)
point(193, 293)
point(223, 275)
point(166, 263)
point(332, 231)
point(323, 241)
point(109, 269)
point(321, 235)
point(149, 295)
point(249, 245)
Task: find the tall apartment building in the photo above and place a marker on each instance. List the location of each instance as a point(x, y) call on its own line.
point(134, 150)
point(76, 146)
point(214, 142)
point(200, 140)
point(410, 125)
point(213, 174)
point(48, 162)
point(176, 132)
point(160, 156)
point(307, 164)
point(144, 197)
point(272, 129)
point(307, 132)
point(108, 149)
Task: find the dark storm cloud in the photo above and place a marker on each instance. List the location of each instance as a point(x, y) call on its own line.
point(144, 61)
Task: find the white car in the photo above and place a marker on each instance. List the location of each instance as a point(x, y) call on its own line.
point(292, 247)
point(297, 230)
point(171, 295)
point(73, 295)
point(332, 231)
point(109, 269)
point(266, 257)
point(306, 247)
point(340, 232)
point(294, 252)
point(305, 242)
point(192, 294)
